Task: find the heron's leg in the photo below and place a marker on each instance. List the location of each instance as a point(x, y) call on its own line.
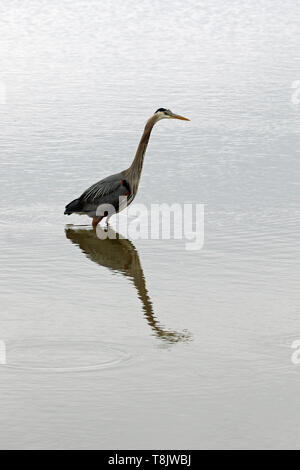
point(96, 221)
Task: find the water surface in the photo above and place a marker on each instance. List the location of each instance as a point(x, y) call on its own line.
point(140, 343)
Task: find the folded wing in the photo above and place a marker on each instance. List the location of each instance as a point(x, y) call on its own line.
point(107, 191)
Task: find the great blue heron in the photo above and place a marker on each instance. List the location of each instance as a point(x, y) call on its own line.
point(122, 186)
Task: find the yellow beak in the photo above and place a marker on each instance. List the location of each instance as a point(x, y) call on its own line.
point(176, 116)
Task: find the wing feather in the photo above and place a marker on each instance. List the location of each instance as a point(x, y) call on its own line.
point(103, 188)
point(106, 191)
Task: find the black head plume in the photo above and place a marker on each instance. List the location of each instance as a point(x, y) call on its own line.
point(161, 110)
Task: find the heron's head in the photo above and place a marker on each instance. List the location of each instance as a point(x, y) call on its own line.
point(163, 113)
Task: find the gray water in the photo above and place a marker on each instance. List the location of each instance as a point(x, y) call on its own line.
point(143, 344)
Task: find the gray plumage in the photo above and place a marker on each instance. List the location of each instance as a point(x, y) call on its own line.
point(119, 190)
point(106, 191)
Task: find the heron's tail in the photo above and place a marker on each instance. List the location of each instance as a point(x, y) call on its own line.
point(73, 206)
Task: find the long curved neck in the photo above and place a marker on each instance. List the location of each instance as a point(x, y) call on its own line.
point(135, 169)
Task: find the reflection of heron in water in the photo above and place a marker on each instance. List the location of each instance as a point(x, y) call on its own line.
point(108, 249)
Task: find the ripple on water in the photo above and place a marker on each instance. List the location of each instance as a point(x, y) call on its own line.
point(63, 355)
